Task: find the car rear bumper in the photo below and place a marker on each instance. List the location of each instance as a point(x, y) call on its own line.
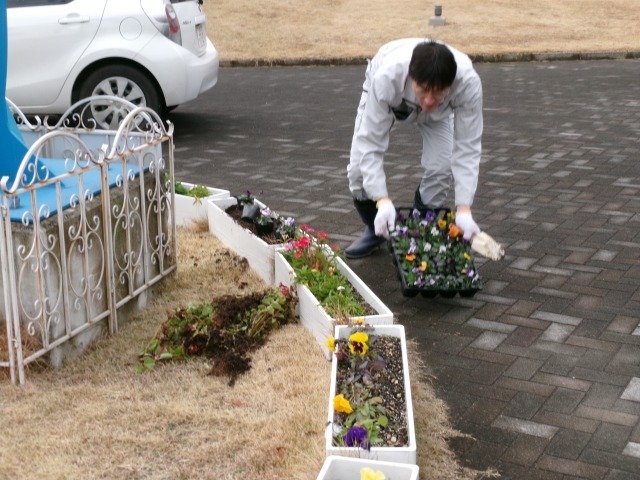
point(195, 76)
point(208, 68)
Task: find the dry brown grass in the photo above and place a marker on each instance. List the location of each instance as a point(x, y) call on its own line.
point(96, 418)
point(298, 29)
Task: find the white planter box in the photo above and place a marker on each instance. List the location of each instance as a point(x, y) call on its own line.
point(345, 468)
point(406, 454)
point(258, 253)
point(313, 317)
point(189, 209)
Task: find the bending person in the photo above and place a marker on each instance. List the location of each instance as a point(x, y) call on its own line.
point(435, 87)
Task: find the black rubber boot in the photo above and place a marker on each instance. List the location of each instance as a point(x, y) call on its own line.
point(423, 209)
point(417, 203)
point(368, 241)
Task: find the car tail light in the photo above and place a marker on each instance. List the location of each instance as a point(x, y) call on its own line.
point(174, 24)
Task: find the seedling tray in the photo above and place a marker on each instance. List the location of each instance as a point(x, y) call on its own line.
point(426, 291)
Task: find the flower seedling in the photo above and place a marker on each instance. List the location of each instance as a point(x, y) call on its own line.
point(364, 406)
point(198, 192)
point(245, 198)
point(265, 217)
point(313, 260)
point(286, 230)
point(431, 252)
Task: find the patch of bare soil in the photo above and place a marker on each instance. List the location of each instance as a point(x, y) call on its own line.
point(231, 353)
point(225, 331)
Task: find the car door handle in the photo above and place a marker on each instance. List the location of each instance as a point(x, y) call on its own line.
point(73, 18)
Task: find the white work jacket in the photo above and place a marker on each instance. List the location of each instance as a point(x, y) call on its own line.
point(388, 96)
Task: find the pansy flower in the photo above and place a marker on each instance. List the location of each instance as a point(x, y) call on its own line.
point(454, 231)
point(357, 437)
point(370, 474)
point(412, 246)
point(331, 343)
point(341, 404)
point(358, 343)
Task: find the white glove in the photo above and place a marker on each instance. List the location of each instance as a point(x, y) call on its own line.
point(468, 226)
point(486, 246)
point(385, 221)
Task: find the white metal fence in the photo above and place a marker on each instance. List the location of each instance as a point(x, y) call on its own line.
point(74, 257)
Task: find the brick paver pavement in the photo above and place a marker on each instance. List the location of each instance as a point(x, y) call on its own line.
point(542, 367)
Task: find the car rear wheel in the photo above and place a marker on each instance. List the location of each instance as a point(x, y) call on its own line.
point(121, 81)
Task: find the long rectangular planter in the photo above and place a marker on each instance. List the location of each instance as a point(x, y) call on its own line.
point(406, 454)
point(346, 468)
point(313, 317)
point(189, 209)
point(258, 253)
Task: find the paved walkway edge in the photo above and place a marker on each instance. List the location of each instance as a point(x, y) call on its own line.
point(477, 58)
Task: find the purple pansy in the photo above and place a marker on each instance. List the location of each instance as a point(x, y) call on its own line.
point(357, 437)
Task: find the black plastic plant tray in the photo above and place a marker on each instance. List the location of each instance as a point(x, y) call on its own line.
point(426, 292)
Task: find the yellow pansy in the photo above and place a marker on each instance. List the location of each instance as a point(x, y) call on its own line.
point(467, 256)
point(423, 266)
point(331, 343)
point(442, 223)
point(358, 343)
point(341, 404)
point(358, 321)
point(368, 474)
point(359, 337)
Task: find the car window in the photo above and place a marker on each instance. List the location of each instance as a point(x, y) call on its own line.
point(35, 3)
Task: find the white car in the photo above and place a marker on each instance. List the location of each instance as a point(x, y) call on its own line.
point(154, 53)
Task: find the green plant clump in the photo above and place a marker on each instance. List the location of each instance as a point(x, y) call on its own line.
point(198, 192)
point(225, 331)
point(313, 261)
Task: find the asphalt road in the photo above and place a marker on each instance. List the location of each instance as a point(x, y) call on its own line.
point(542, 367)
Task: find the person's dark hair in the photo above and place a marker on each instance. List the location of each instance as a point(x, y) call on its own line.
point(433, 64)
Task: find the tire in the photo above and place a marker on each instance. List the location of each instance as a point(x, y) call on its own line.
point(122, 81)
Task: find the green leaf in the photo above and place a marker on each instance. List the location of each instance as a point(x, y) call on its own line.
point(198, 191)
point(180, 189)
point(177, 352)
point(165, 356)
point(383, 421)
point(149, 363)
